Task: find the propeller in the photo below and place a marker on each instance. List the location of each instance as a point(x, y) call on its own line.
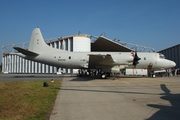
point(136, 59)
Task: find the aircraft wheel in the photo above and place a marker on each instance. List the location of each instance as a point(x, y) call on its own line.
point(103, 76)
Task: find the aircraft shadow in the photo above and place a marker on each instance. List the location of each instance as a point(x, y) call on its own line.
point(32, 76)
point(85, 78)
point(103, 91)
point(89, 78)
point(167, 112)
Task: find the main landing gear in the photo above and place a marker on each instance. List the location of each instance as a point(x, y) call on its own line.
point(98, 72)
point(105, 75)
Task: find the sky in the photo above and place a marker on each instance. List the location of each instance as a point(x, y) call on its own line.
point(152, 23)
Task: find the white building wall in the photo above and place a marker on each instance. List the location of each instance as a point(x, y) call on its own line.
point(6, 64)
point(20, 59)
point(26, 66)
point(50, 69)
point(23, 65)
point(15, 63)
point(3, 64)
point(12, 63)
point(81, 44)
point(43, 68)
point(36, 67)
point(47, 68)
point(9, 63)
point(39, 68)
point(30, 66)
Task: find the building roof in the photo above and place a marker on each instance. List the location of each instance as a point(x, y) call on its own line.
point(169, 48)
point(105, 44)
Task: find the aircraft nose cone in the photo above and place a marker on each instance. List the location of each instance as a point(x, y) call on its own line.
point(172, 64)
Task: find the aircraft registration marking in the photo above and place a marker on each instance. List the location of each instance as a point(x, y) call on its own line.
point(61, 59)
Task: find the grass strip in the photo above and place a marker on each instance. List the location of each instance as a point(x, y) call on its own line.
point(27, 100)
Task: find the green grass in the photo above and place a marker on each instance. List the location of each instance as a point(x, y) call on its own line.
point(27, 100)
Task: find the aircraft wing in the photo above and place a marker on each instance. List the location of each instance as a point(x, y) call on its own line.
point(96, 60)
point(25, 52)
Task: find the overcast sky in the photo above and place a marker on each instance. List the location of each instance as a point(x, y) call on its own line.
point(153, 23)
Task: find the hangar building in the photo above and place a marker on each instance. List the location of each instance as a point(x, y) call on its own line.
point(172, 53)
point(80, 43)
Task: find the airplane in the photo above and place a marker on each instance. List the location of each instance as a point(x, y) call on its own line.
point(108, 62)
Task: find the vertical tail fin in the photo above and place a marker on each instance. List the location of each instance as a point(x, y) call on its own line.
point(37, 43)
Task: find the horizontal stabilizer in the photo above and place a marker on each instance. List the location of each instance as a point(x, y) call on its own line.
point(25, 52)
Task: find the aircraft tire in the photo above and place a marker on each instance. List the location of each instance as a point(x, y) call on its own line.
point(103, 76)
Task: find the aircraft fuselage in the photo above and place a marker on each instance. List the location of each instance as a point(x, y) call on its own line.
point(77, 60)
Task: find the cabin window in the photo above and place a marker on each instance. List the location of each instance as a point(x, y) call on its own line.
point(161, 56)
point(54, 56)
point(69, 57)
point(144, 58)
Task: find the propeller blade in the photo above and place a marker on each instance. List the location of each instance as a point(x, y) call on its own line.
point(136, 59)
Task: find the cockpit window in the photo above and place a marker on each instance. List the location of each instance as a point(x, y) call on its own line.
point(161, 56)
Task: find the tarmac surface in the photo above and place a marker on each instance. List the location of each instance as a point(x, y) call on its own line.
point(129, 98)
point(124, 98)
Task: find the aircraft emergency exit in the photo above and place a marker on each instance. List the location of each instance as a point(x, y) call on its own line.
point(108, 62)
